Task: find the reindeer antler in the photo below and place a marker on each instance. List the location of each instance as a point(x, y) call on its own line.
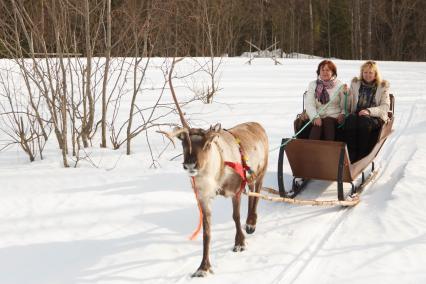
point(172, 90)
point(182, 118)
point(173, 134)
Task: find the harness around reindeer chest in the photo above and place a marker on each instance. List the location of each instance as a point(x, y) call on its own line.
point(215, 161)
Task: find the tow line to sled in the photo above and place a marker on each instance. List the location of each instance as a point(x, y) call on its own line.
point(347, 203)
point(351, 200)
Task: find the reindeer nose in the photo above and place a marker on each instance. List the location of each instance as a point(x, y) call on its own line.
point(191, 168)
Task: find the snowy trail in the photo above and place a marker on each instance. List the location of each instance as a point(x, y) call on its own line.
point(124, 223)
point(316, 243)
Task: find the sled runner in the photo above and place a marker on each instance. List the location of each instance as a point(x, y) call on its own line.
point(329, 161)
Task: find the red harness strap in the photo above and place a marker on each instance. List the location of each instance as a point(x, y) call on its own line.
point(241, 171)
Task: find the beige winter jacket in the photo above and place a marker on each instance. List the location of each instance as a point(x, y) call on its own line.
point(381, 98)
point(333, 109)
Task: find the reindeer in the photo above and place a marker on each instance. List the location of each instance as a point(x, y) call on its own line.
point(207, 156)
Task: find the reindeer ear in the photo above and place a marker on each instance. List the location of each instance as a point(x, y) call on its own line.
point(216, 128)
point(209, 139)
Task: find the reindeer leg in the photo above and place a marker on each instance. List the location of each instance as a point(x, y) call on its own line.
point(251, 218)
point(252, 207)
point(239, 236)
point(205, 266)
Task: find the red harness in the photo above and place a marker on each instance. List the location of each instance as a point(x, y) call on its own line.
point(241, 169)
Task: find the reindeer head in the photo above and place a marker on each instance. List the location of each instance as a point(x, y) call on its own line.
point(196, 151)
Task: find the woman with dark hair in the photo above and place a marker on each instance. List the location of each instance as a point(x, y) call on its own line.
point(325, 102)
point(370, 104)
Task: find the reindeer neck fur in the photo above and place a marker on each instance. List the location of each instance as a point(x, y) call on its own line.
point(215, 175)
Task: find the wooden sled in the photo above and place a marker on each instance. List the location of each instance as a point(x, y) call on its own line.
point(329, 161)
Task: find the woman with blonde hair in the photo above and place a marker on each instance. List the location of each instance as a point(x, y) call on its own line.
point(369, 110)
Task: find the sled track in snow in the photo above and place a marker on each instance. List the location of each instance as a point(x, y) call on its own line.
point(298, 266)
point(316, 247)
point(391, 145)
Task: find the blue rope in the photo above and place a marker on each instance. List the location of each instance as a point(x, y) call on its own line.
point(310, 121)
point(346, 110)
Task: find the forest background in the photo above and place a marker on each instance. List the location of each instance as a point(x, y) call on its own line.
point(346, 29)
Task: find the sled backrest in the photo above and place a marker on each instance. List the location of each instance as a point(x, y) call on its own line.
point(391, 106)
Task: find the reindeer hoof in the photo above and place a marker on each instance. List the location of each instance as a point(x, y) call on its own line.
point(250, 228)
point(239, 248)
point(201, 273)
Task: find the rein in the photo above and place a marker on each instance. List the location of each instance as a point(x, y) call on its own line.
point(310, 121)
point(346, 110)
point(200, 220)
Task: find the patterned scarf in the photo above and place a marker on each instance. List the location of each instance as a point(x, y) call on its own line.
point(321, 93)
point(366, 96)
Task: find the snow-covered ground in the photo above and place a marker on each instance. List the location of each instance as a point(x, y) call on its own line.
point(122, 222)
